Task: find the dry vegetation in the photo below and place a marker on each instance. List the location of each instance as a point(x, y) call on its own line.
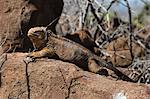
point(124, 43)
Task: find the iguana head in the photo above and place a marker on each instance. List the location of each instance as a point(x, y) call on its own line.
point(38, 37)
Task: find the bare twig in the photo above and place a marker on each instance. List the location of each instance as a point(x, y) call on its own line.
point(112, 2)
point(119, 1)
point(100, 20)
point(94, 13)
point(52, 22)
point(130, 28)
point(86, 11)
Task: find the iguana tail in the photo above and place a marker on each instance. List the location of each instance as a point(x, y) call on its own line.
point(120, 74)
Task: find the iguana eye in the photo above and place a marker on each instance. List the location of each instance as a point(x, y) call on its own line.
point(40, 37)
point(35, 34)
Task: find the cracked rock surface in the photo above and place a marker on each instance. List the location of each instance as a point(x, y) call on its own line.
point(54, 79)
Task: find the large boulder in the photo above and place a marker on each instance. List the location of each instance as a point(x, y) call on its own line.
point(18, 16)
point(54, 79)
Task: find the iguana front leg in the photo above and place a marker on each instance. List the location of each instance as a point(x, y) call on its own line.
point(45, 52)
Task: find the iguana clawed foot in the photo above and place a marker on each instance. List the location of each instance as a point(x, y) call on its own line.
point(28, 59)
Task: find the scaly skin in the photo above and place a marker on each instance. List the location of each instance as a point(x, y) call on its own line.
point(67, 50)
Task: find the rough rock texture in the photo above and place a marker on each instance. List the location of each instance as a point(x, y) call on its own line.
point(119, 52)
point(18, 16)
point(54, 79)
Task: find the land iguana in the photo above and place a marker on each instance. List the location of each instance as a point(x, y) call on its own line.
point(51, 45)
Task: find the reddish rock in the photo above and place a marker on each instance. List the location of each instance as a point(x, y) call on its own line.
point(54, 79)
